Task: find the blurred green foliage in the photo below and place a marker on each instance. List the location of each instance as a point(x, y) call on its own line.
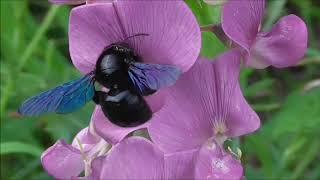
point(34, 57)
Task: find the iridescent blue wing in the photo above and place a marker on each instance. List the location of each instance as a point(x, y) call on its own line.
point(148, 78)
point(66, 98)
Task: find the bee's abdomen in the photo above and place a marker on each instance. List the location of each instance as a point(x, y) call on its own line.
point(125, 108)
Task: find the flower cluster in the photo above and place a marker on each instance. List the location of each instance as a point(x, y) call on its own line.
point(191, 119)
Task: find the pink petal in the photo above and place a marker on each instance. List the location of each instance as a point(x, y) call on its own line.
point(91, 143)
point(99, 1)
point(113, 133)
point(216, 165)
point(181, 124)
point(87, 140)
point(92, 28)
point(133, 158)
point(229, 105)
point(242, 118)
point(96, 168)
point(204, 98)
point(173, 32)
point(284, 46)
point(180, 165)
point(62, 161)
point(156, 100)
point(60, 2)
point(241, 20)
point(108, 131)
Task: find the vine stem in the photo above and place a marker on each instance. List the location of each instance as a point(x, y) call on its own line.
point(218, 31)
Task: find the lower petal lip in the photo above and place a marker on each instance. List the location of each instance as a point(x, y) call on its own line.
point(283, 46)
point(108, 131)
point(142, 159)
point(60, 156)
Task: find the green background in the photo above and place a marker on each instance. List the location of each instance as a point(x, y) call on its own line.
point(35, 57)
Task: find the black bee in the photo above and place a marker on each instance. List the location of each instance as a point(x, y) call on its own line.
point(126, 77)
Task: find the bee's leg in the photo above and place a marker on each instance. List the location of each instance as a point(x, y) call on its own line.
point(98, 95)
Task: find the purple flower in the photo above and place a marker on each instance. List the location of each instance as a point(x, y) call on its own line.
point(213, 163)
point(75, 2)
point(208, 162)
point(281, 47)
point(94, 156)
point(205, 107)
point(132, 158)
point(64, 161)
point(174, 38)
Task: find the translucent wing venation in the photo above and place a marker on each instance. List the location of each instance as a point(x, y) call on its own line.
point(63, 99)
point(151, 77)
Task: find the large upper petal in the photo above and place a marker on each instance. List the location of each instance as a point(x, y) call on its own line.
point(241, 20)
point(285, 45)
point(204, 98)
point(132, 158)
point(173, 33)
point(92, 28)
point(62, 160)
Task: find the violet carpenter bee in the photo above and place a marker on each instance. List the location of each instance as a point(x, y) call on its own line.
point(121, 71)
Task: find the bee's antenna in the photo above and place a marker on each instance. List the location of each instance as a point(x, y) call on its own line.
point(139, 34)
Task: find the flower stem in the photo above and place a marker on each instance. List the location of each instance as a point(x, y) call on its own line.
point(218, 31)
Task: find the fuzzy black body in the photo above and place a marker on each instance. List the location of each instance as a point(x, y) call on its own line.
point(124, 108)
point(122, 104)
point(112, 67)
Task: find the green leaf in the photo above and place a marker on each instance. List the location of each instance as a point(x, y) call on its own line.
point(67, 126)
point(19, 147)
point(37, 38)
point(275, 9)
point(259, 87)
point(309, 157)
point(205, 13)
point(211, 45)
point(244, 77)
point(25, 129)
point(259, 146)
point(300, 114)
